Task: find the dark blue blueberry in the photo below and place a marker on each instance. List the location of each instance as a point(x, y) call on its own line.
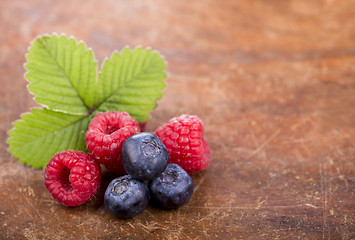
point(144, 156)
point(172, 189)
point(126, 197)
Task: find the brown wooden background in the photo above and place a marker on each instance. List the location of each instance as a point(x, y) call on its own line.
point(273, 81)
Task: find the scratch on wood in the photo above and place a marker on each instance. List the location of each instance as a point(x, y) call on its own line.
point(255, 207)
point(258, 144)
point(263, 145)
point(341, 177)
point(202, 179)
point(302, 122)
point(131, 225)
point(29, 202)
point(206, 217)
point(179, 231)
point(299, 156)
point(261, 201)
point(150, 227)
point(311, 205)
point(325, 200)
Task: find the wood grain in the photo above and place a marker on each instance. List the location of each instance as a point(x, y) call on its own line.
point(273, 81)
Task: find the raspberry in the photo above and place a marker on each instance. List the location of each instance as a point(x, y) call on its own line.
point(105, 136)
point(115, 166)
point(183, 137)
point(72, 177)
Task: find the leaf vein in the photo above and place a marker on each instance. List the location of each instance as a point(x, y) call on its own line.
point(61, 68)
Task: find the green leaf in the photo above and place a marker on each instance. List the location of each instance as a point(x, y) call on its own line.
point(62, 73)
point(131, 81)
point(43, 132)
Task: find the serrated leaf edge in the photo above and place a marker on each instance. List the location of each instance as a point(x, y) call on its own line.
point(21, 119)
point(26, 72)
point(133, 49)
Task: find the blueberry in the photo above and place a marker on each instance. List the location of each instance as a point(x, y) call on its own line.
point(144, 156)
point(172, 189)
point(126, 197)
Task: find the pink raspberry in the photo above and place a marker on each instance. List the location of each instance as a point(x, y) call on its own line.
point(72, 177)
point(105, 136)
point(183, 137)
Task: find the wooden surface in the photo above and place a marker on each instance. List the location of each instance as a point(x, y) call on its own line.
point(273, 81)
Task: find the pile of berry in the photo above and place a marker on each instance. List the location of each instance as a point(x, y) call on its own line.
point(164, 159)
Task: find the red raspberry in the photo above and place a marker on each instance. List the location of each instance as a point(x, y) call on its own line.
point(105, 136)
point(183, 137)
point(72, 177)
point(115, 166)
